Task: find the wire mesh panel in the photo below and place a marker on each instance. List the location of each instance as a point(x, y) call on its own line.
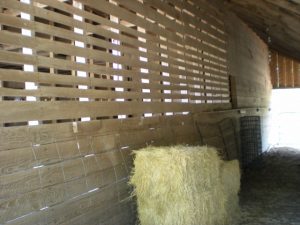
point(251, 144)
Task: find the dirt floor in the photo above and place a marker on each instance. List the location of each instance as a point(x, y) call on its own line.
point(270, 193)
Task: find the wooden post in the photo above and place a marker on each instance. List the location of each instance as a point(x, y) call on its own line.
point(233, 92)
point(1, 82)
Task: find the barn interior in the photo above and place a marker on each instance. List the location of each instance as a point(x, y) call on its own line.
point(86, 83)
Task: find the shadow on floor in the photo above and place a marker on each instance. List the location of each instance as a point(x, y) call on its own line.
point(270, 193)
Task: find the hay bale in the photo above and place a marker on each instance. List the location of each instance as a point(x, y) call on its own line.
point(179, 185)
point(230, 178)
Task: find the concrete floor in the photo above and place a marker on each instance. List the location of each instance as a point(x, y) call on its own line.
point(270, 193)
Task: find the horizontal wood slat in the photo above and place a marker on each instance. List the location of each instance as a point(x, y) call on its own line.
point(23, 111)
point(98, 94)
point(151, 53)
point(46, 78)
point(69, 21)
point(40, 44)
point(146, 10)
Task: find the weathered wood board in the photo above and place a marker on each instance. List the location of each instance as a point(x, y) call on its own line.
point(100, 79)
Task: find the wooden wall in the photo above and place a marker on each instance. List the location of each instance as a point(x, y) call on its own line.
point(285, 71)
point(248, 58)
point(51, 174)
point(95, 80)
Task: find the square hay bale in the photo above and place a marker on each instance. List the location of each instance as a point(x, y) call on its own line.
point(180, 186)
point(230, 179)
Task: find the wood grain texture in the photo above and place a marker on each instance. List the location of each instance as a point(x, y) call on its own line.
point(249, 64)
point(276, 21)
point(75, 165)
point(285, 71)
point(170, 59)
point(181, 61)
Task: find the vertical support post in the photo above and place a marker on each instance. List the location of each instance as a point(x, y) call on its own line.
point(233, 92)
point(1, 82)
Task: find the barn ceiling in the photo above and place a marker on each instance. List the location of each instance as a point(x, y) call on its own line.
point(275, 21)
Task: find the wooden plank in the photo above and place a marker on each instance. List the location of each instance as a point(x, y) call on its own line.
point(296, 68)
point(27, 111)
point(24, 136)
point(207, 48)
point(100, 94)
point(273, 69)
point(40, 44)
point(62, 177)
point(48, 78)
point(19, 159)
point(44, 91)
point(50, 30)
point(58, 171)
point(108, 57)
point(289, 73)
point(282, 71)
point(16, 137)
point(69, 153)
point(88, 27)
point(123, 14)
point(202, 10)
point(108, 215)
point(61, 213)
point(29, 158)
point(20, 59)
point(215, 92)
point(146, 10)
point(52, 175)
